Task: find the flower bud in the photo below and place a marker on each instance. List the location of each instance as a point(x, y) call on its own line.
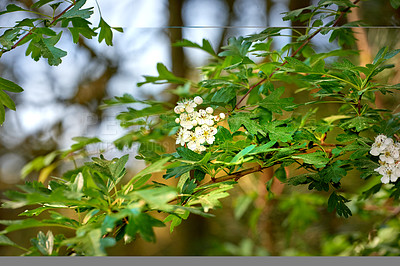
point(177, 110)
point(222, 115)
point(209, 110)
point(177, 120)
point(198, 100)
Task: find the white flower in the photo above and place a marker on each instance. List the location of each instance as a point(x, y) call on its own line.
point(183, 136)
point(199, 149)
point(179, 109)
point(209, 110)
point(389, 154)
point(186, 120)
point(194, 142)
point(222, 116)
point(205, 118)
point(208, 133)
point(198, 100)
point(187, 105)
point(381, 142)
point(389, 173)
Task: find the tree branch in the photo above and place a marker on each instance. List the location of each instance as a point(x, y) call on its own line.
point(294, 53)
point(235, 176)
point(31, 30)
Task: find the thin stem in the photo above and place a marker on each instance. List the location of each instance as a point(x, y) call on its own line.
point(235, 176)
point(294, 54)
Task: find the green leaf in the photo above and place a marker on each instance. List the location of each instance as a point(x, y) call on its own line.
point(164, 76)
point(223, 135)
point(333, 172)
point(41, 3)
point(52, 53)
point(157, 197)
point(9, 86)
point(210, 200)
point(44, 243)
point(224, 95)
point(279, 130)
point(9, 37)
point(267, 33)
point(12, 8)
point(360, 123)
point(236, 47)
point(81, 143)
point(5, 241)
point(152, 168)
point(177, 171)
point(117, 168)
point(236, 120)
point(395, 3)
point(6, 100)
point(242, 153)
point(263, 148)
point(105, 32)
point(345, 3)
point(294, 14)
point(188, 154)
point(338, 202)
point(176, 219)
point(205, 47)
point(143, 224)
point(318, 158)
point(275, 104)
point(76, 11)
point(280, 174)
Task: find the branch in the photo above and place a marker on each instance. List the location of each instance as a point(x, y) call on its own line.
point(236, 176)
point(31, 30)
point(294, 53)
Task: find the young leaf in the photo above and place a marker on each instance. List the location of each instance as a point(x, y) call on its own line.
point(105, 32)
point(338, 202)
point(9, 86)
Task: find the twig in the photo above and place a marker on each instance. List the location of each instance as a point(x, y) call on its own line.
point(235, 176)
point(294, 53)
point(31, 30)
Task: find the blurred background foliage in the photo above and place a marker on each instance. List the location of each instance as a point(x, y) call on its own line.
point(262, 216)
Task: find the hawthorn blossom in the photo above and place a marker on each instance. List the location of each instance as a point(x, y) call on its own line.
point(381, 142)
point(182, 136)
point(389, 158)
point(197, 127)
point(187, 105)
point(389, 154)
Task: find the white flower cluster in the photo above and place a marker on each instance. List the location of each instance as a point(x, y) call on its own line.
point(197, 127)
point(389, 158)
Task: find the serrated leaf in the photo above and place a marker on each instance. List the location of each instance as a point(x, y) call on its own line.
point(333, 172)
point(164, 76)
point(76, 11)
point(206, 46)
point(338, 202)
point(318, 158)
point(235, 121)
point(275, 103)
point(105, 32)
